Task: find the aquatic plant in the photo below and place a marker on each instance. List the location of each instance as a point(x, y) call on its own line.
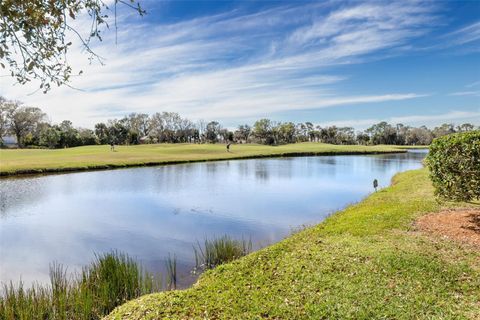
point(218, 251)
point(171, 264)
point(110, 280)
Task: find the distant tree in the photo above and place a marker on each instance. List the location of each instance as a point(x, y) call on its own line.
point(443, 130)
point(382, 133)
point(329, 134)
point(186, 131)
point(212, 131)
point(226, 135)
point(419, 136)
point(155, 127)
point(138, 125)
point(30, 127)
point(102, 133)
point(171, 122)
point(50, 136)
point(230, 136)
point(117, 131)
point(301, 132)
point(202, 127)
point(316, 133)
point(171, 127)
point(310, 131)
point(345, 135)
point(263, 131)
point(286, 132)
point(401, 134)
point(242, 133)
point(23, 122)
point(465, 127)
point(133, 137)
point(4, 120)
point(86, 137)
point(68, 135)
point(195, 135)
point(363, 138)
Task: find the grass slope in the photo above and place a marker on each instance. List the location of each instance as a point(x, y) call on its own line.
point(361, 263)
point(20, 161)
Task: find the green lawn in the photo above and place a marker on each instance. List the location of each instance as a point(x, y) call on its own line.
point(100, 157)
point(364, 262)
point(412, 147)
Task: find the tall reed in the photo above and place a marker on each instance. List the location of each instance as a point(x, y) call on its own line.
point(218, 251)
point(110, 280)
point(171, 265)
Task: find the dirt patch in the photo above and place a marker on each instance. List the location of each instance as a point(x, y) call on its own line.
point(460, 225)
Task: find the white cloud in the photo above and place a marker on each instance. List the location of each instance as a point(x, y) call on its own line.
point(456, 117)
point(466, 34)
point(452, 116)
point(233, 64)
point(466, 93)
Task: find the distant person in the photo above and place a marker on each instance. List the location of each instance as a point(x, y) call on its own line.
point(228, 147)
point(112, 146)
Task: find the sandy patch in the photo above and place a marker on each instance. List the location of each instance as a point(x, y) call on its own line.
point(459, 225)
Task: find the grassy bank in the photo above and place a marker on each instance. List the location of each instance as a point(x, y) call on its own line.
point(364, 262)
point(24, 161)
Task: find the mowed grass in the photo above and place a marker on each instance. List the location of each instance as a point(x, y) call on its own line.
point(365, 262)
point(17, 161)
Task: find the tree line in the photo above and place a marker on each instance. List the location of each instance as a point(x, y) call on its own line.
point(32, 128)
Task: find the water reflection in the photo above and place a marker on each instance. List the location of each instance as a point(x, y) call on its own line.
point(150, 212)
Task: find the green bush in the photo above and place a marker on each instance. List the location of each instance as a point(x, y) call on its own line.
point(454, 163)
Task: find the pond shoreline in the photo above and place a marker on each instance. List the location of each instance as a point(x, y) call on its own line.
point(345, 260)
point(168, 208)
point(111, 166)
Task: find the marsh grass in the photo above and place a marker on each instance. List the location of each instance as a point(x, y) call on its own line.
point(110, 280)
point(219, 251)
point(299, 228)
point(171, 266)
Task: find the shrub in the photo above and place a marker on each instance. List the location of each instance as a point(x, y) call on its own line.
point(454, 163)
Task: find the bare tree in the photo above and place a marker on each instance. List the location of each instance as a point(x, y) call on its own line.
point(242, 133)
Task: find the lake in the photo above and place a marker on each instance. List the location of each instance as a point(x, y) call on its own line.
point(150, 212)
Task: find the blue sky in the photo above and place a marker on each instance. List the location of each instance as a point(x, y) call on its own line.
point(347, 63)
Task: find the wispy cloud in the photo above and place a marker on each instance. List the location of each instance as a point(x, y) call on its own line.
point(453, 116)
point(236, 64)
point(473, 84)
point(466, 34)
point(456, 117)
point(466, 93)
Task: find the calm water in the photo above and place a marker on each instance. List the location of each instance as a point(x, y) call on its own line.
point(151, 212)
